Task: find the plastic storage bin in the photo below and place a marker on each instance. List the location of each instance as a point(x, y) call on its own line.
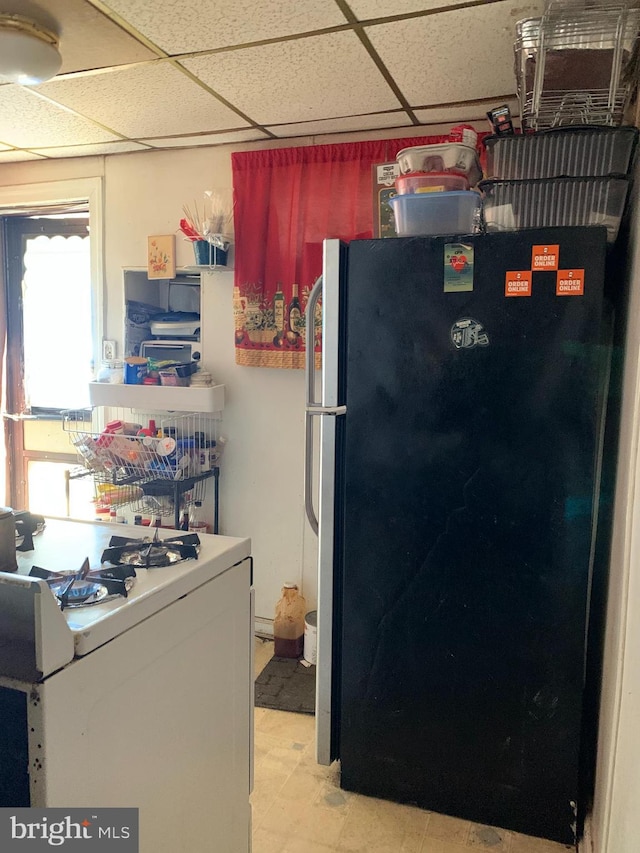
point(430, 182)
point(445, 156)
point(568, 151)
point(515, 205)
point(427, 214)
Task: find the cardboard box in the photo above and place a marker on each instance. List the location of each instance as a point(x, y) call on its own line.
point(383, 179)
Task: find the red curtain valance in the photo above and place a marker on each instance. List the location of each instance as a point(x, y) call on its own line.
point(287, 201)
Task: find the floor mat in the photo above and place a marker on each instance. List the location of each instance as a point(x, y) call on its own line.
point(286, 685)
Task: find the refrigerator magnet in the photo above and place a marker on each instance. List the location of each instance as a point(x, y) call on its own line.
point(517, 283)
point(458, 268)
point(545, 258)
point(570, 283)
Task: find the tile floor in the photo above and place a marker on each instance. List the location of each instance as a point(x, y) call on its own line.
point(299, 807)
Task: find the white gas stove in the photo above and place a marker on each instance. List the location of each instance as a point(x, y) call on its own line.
point(142, 699)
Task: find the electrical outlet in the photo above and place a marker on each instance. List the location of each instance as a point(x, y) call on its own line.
point(108, 349)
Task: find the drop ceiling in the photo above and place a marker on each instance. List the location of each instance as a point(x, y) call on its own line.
point(152, 74)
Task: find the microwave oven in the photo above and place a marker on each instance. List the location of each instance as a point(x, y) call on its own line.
point(171, 350)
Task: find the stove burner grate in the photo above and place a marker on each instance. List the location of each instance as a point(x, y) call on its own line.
point(87, 586)
point(151, 553)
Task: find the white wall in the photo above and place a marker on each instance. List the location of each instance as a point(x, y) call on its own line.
point(261, 481)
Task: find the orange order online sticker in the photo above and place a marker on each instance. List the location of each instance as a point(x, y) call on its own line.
point(518, 283)
point(545, 258)
point(570, 283)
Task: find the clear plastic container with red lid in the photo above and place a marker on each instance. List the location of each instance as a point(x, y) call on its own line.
point(431, 182)
point(441, 157)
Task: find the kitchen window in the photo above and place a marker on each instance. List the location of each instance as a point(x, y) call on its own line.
point(49, 355)
point(53, 277)
point(56, 311)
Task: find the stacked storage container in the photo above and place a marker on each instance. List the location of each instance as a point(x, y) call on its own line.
point(433, 190)
point(574, 175)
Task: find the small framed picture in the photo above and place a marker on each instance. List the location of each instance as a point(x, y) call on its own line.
point(161, 256)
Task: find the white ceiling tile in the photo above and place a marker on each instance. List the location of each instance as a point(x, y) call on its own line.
point(342, 125)
point(182, 26)
point(459, 55)
point(207, 139)
point(28, 121)
point(17, 156)
point(309, 86)
point(88, 39)
point(311, 78)
point(91, 150)
point(367, 9)
point(146, 100)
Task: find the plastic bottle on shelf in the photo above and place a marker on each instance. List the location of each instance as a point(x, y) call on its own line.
point(149, 431)
point(197, 524)
point(288, 625)
point(210, 452)
point(215, 451)
point(200, 454)
point(184, 516)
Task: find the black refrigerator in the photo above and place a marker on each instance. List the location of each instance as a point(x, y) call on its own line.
point(461, 406)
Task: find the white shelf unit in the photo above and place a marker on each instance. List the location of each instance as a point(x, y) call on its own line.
point(158, 398)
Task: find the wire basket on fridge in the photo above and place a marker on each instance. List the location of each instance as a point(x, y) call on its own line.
point(576, 64)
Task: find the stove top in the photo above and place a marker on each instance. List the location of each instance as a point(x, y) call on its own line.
point(64, 542)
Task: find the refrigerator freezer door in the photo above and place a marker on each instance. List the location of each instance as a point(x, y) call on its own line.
point(470, 465)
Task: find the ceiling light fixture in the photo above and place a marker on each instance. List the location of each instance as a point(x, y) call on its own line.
point(28, 52)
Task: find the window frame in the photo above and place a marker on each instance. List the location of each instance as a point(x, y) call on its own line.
point(90, 191)
point(30, 198)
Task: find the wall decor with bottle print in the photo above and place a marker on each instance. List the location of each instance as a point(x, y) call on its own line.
point(272, 332)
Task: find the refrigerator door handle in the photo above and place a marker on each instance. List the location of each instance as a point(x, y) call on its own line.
point(311, 403)
point(310, 411)
point(308, 472)
point(310, 361)
point(326, 410)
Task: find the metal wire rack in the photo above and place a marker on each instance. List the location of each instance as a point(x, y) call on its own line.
point(574, 65)
point(155, 464)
